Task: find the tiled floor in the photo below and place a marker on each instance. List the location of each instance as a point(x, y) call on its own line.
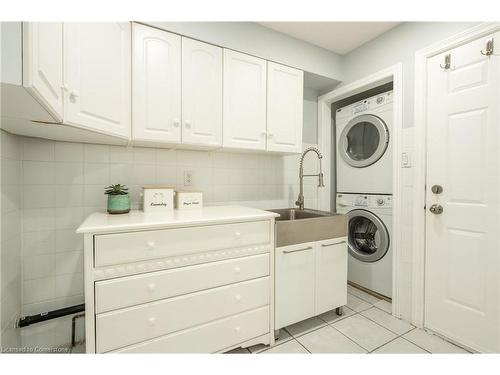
point(365, 327)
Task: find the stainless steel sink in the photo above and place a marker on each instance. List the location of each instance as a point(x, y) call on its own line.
point(298, 226)
point(296, 214)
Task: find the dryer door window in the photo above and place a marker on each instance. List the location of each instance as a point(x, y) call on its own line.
point(363, 141)
point(367, 236)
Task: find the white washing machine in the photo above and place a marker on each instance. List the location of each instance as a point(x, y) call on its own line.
point(364, 147)
point(369, 229)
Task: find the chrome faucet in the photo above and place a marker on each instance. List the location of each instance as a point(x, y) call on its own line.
point(300, 199)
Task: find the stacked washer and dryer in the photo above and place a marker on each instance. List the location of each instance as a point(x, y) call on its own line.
point(364, 189)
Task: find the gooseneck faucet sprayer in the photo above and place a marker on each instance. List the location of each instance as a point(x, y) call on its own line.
point(300, 199)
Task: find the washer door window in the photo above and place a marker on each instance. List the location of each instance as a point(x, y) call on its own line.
point(367, 235)
point(363, 141)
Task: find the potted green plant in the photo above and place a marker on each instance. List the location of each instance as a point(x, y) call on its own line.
point(118, 199)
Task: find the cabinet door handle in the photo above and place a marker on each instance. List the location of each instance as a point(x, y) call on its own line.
point(331, 244)
point(296, 250)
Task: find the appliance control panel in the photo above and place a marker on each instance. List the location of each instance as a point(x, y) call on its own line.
point(364, 200)
point(371, 103)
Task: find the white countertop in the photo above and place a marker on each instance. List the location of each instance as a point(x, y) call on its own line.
point(100, 222)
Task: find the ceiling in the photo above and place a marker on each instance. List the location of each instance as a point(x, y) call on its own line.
point(339, 37)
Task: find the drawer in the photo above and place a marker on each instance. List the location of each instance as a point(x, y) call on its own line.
point(133, 290)
point(120, 328)
point(120, 248)
point(209, 338)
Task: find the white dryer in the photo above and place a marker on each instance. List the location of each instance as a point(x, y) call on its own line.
point(369, 227)
point(364, 146)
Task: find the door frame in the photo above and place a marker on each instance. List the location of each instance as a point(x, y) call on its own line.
point(420, 157)
point(393, 73)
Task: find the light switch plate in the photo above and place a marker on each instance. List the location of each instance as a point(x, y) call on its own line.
point(405, 160)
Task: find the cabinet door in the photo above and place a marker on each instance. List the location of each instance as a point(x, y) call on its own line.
point(157, 85)
point(43, 64)
point(244, 102)
point(285, 98)
point(294, 284)
point(331, 274)
point(201, 93)
point(97, 77)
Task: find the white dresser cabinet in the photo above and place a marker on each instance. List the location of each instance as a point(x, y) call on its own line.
point(186, 283)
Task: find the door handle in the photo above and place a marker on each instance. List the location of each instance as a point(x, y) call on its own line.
point(436, 209)
point(296, 250)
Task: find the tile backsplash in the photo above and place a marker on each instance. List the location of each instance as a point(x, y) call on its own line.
point(63, 182)
point(10, 261)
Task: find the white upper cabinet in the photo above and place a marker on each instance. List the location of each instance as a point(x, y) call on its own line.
point(43, 64)
point(244, 103)
point(201, 93)
point(285, 93)
point(156, 85)
point(97, 77)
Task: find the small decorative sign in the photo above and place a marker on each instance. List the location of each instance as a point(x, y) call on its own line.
point(188, 199)
point(158, 198)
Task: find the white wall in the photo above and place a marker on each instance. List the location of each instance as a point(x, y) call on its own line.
point(398, 45)
point(254, 39)
point(10, 244)
point(310, 126)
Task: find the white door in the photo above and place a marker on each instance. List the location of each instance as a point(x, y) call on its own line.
point(294, 284)
point(43, 64)
point(331, 274)
point(462, 243)
point(157, 85)
point(285, 98)
point(244, 101)
point(201, 93)
point(97, 77)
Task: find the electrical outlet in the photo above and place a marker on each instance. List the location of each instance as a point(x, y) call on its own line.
point(188, 178)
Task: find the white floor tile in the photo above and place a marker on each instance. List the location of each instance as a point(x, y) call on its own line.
point(387, 320)
point(331, 316)
point(329, 340)
point(305, 326)
point(357, 304)
point(284, 337)
point(432, 343)
point(384, 305)
point(364, 332)
point(363, 295)
point(400, 346)
point(290, 347)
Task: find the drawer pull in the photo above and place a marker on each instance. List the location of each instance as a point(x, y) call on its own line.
point(237, 329)
point(152, 321)
point(237, 298)
point(297, 250)
point(237, 269)
point(237, 234)
point(151, 245)
point(331, 244)
point(152, 287)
